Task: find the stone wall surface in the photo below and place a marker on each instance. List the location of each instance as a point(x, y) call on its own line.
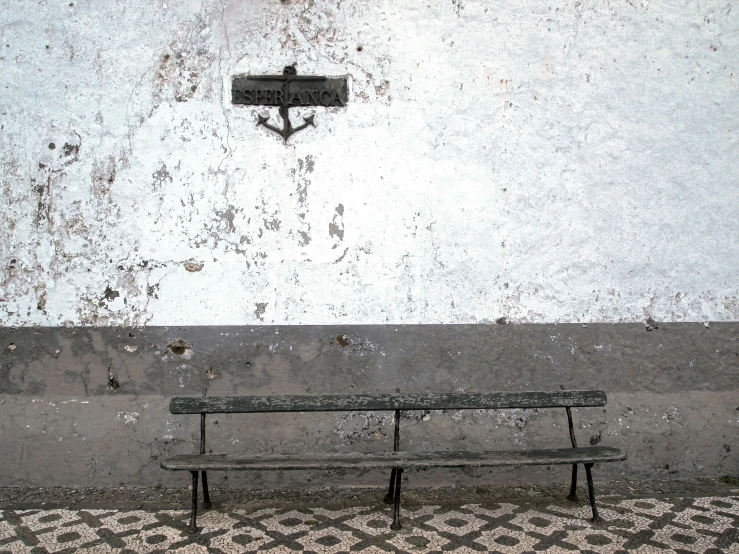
point(89, 406)
point(540, 161)
point(569, 167)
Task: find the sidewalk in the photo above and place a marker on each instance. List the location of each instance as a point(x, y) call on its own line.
point(647, 525)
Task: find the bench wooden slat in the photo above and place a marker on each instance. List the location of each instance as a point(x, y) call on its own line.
point(379, 402)
point(406, 460)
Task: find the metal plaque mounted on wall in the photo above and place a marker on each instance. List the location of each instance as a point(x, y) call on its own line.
point(286, 91)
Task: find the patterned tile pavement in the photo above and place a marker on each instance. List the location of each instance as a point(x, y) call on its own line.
point(647, 526)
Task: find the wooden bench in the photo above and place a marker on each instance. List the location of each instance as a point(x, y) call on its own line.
point(396, 460)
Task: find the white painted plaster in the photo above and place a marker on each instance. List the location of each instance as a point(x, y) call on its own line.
point(546, 161)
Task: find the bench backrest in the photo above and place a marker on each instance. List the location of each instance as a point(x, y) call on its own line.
point(380, 402)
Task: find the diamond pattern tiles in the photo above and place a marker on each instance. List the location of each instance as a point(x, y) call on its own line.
point(646, 526)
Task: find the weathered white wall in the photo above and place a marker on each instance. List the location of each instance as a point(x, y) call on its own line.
point(546, 161)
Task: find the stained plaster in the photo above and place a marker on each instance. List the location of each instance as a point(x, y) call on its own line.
point(546, 162)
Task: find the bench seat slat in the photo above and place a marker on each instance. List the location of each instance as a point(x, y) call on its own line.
point(406, 460)
point(364, 402)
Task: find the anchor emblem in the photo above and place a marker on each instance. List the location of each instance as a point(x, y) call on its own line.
point(287, 91)
point(287, 127)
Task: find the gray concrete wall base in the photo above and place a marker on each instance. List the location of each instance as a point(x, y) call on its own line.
point(89, 407)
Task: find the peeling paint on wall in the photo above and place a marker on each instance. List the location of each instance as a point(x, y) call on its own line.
point(575, 163)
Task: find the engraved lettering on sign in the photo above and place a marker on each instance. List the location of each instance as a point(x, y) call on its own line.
point(287, 91)
point(279, 97)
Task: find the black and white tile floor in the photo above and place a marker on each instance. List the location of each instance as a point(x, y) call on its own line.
point(686, 525)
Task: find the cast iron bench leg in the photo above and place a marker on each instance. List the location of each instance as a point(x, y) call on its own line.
point(389, 496)
point(395, 525)
point(194, 513)
point(573, 487)
point(206, 496)
point(591, 492)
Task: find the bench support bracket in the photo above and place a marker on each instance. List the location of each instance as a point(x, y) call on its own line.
point(193, 527)
point(395, 525)
point(396, 446)
point(573, 487)
point(389, 497)
point(206, 496)
point(591, 493)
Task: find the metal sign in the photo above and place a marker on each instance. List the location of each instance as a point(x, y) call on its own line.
point(289, 90)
